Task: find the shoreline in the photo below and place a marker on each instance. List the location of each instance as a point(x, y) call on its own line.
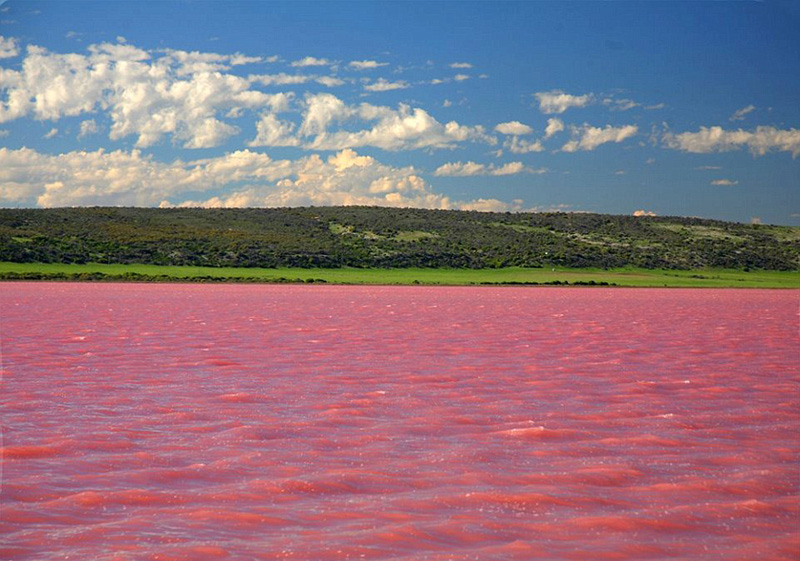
point(511, 276)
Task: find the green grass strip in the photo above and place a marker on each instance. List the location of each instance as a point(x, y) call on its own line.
point(711, 278)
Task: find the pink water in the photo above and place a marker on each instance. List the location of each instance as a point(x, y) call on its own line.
point(183, 422)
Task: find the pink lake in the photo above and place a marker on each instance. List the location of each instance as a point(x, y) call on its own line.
point(314, 423)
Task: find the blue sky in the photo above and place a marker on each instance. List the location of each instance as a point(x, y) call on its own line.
point(668, 108)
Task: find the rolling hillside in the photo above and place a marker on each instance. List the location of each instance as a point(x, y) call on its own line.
point(332, 237)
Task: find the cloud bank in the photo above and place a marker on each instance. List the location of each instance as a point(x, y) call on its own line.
point(716, 139)
point(131, 178)
point(404, 128)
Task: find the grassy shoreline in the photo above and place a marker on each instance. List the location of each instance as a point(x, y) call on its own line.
point(629, 277)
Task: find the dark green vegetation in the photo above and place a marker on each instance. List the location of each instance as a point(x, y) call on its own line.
point(332, 237)
point(371, 237)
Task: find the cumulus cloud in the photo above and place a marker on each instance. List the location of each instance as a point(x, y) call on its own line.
point(644, 213)
point(466, 169)
point(177, 94)
point(716, 139)
point(554, 126)
point(460, 65)
point(273, 132)
point(383, 85)
point(517, 145)
point(556, 101)
point(513, 127)
point(460, 77)
point(724, 182)
point(403, 128)
point(51, 133)
point(366, 64)
point(311, 61)
point(589, 138)
point(740, 114)
point(8, 47)
point(185, 63)
point(131, 178)
point(88, 127)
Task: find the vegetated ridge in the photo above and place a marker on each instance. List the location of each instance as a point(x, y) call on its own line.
point(332, 237)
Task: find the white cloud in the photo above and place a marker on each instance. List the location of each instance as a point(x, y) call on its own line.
point(518, 145)
point(708, 167)
point(556, 101)
point(186, 63)
point(178, 94)
point(404, 128)
point(460, 169)
point(724, 182)
point(460, 77)
point(273, 132)
point(281, 79)
point(382, 85)
point(717, 139)
point(329, 81)
point(366, 64)
point(461, 65)
point(239, 59)
point(130, 178)
point(466, 169)
point(740, 114)
point(8, 47)
point(88, 127)
point(513, 127)
point(51, 133)
point(511, 168)
point(620, 104)
point(654, 107)
point(644, 213)
point(553, 126)
point(589, 138)
point(311, 61)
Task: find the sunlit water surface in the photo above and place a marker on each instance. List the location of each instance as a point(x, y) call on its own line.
point(183, 422)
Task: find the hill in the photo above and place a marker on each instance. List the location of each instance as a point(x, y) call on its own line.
point(332, 237)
